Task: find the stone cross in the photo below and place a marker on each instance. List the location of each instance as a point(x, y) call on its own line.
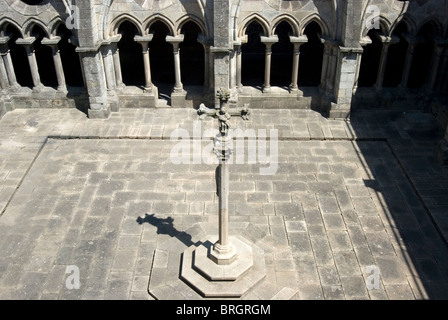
point(223, 251)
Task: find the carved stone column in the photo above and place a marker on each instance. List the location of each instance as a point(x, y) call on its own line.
point(53, 44)
point(178, 95)
point(144, 42)
point(175, 41)
point(5, 55)
point(436, 64)
point(268, 41)
point(387, 41)
point(109, 72)
point(28, 44)
point(412, 42)
point(116, 58)
point(239, 85)
point(207, 70)
point(297, 42)
point(4, 84)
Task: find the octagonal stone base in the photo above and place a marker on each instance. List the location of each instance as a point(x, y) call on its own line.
point(232, 280)
point(204, 263)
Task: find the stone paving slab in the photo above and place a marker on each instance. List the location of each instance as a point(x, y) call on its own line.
point(333, 209)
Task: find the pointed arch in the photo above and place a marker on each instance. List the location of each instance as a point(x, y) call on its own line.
point(118, 20)
point(190, 18)
point(5, 22)
point(410, 23)
point(251, 18)
point(396, 55)
point(18, 55)
point(290, 20)
point(437, 27)
point(314, 17)
point(132, 69)
point(30, 23)
point(385, 27)
point(53, 26)
point(311, 55)
point(43, 55)
point(147, 23)
point(192, 57)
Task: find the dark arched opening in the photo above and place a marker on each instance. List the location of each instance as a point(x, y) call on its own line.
point(70, 59)
point(370, 59)
point(311, 56)
point(396, 58)
point(44, 58)
point(282, 54)
point(253, 56)
point(19, 58)
point(162, 59)
point(191, 56)
point(422, 57)
point(131, 57)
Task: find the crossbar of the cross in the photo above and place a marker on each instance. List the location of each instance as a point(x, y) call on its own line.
point(243, 112)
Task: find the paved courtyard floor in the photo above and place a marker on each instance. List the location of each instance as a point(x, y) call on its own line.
point(355, 209)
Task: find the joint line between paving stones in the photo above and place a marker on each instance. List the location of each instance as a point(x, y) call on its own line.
point(420, 198)
point(163, 138)
point(24, 176)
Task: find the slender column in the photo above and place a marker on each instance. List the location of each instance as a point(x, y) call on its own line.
point(412, 41)
point(7, 61)
point(4, 84)
point(206, 44)
point(268, 41)
point(267, 68)
point(239, 85)
point(144, 41)
point(116, 59)
point(442, 74)
point(108, 67)
point(175, 41)
point(387, 41)
point(53, 44)
point(297, 42)
point(117, 66)
point(331, 72)
point(325, 60)
point(178, 83)
point(28, 44)
point(435, 66)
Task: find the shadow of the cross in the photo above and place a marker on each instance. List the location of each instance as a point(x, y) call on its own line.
point(165, 226)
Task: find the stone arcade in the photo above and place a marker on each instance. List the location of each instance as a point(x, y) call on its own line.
point(333, 56)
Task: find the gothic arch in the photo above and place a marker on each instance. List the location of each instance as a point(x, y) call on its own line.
point(192, 59)
point(54, 25)
point(131, 61)
point(29, 24)
point(411, 24)
point(314, 17)
point(435, 24)
point(118, 20)
point(187, 18)
point(4, 22)
point(385, 27)
point(251, 18)
point(158, 17)
point(311, 55)
point(289, 19)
